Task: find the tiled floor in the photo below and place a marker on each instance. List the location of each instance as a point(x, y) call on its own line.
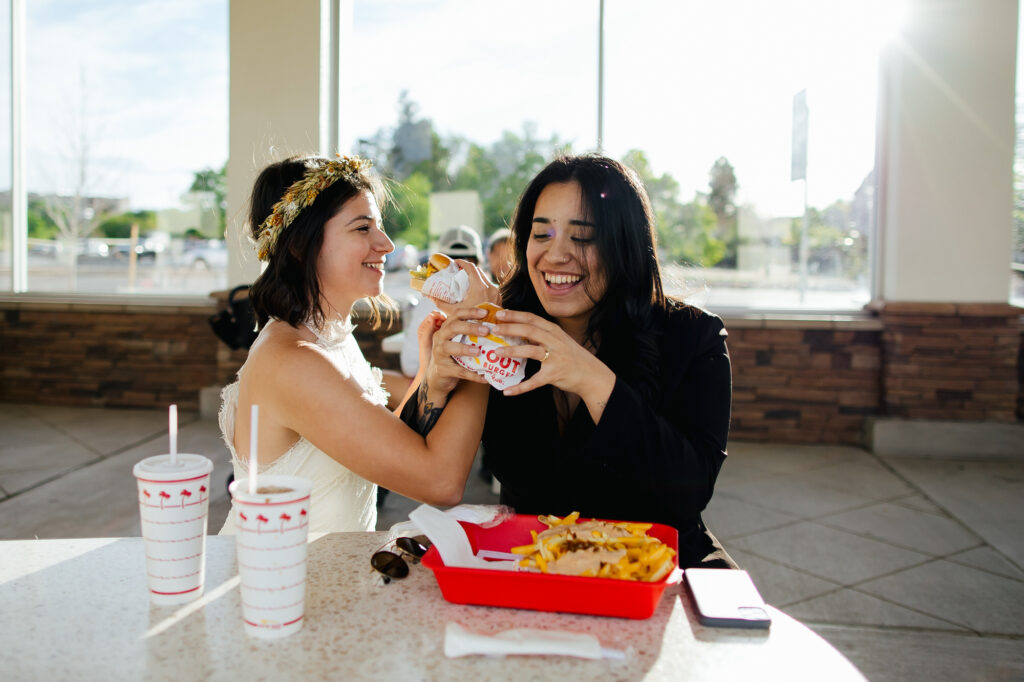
point(911, 567)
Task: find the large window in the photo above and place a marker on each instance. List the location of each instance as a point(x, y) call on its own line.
point(125, 146)
point(699, 97)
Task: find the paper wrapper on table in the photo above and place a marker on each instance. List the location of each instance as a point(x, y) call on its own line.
point(500, 373)
point(270, 544)
point(448, 286)
point(458, 641)
point(173, 503)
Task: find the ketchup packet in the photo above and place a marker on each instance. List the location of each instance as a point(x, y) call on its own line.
point(448, 286)
point(500, 372)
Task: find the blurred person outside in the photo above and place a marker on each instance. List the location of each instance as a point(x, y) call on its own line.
point(499, 254)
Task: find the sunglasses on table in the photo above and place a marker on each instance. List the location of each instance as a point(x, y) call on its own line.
point(393, 566)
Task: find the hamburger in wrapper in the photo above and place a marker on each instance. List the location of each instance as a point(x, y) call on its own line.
point(441, 279)
point(501, 373)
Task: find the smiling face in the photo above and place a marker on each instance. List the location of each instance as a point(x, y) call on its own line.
point(562, 259)
point(351, 261)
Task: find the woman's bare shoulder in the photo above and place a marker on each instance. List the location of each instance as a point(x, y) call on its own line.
point(283, 347)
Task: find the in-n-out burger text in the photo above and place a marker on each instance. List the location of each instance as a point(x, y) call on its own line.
point(505, 367)
point(500, 372)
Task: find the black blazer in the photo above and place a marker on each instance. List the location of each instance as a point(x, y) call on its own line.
point(646, 460)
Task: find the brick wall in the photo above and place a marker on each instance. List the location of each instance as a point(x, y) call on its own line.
point(107, 355)
point(810, 380)
point(795, 379)
point(951, 361)
point(115, 355)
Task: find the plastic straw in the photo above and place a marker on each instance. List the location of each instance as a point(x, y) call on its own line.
point(172, 427)
point(253, 446)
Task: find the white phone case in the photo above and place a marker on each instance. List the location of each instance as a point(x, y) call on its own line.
point(726, 598)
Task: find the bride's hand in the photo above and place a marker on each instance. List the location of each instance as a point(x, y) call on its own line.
point(443, 373)
point(425, 335)
point(481, 289)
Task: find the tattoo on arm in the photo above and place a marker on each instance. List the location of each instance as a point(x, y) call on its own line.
point(427, 413)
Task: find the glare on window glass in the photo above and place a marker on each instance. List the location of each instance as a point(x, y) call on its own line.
point(126, 142)
point(698, 97)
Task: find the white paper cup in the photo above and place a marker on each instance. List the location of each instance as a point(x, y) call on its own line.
point(173, 505)
point(270, 544)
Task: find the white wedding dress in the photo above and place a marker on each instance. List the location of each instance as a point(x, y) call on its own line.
point(341, 500)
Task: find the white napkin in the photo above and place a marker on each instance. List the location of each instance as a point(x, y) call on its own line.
point(449, 285)
point(458, 641)
point(483, 515)
point(451, 541)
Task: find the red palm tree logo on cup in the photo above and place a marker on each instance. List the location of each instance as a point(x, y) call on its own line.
point(164, 495)
point(262, 520)
point(284, 519)
point(185, 494)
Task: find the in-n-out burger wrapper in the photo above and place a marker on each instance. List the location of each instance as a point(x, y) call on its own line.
point(500, 372)
point(448, 286)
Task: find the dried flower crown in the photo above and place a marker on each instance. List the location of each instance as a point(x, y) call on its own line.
point(301, 194)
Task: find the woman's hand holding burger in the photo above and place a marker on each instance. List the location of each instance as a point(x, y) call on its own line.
point(480, 288)
point(565, 364)
point(443, 373)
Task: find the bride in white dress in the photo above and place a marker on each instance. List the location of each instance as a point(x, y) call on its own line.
point(317, 224)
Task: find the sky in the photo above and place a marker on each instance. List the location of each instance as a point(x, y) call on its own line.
point(686, 82)
point(143, 82)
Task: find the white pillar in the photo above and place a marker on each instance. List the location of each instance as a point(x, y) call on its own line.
point(277, 89)
point(946, 153)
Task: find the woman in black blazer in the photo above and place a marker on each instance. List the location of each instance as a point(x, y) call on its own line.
point(624, 413)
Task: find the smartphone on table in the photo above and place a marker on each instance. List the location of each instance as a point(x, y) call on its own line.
point(726, 598)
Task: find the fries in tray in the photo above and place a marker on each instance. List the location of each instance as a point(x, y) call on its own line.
point(596, 549)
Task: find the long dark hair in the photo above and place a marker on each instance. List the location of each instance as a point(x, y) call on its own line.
point(624, 317)
point(289, 288)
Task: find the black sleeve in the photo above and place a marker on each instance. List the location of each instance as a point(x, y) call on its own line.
point(670, 454)
point(409, 411)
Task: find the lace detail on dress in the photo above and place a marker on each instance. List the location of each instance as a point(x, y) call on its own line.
point(333, 333)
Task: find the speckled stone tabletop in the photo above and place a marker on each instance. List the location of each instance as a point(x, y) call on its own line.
point(78, 609)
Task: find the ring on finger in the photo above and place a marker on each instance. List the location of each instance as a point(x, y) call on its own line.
point(547, 354)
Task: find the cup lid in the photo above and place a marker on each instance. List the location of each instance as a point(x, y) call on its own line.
point(159, 467)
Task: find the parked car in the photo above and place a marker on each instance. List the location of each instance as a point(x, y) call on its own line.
point(201, 254)
point(92, 251)
point(122, 251)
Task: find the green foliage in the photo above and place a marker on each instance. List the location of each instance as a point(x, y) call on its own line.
point(722, 201)
point(421, 162)
point(409, 216)
point(215, 181)
point(685, 231)
point(120, 226)
point(699, 244)
point(40, 224)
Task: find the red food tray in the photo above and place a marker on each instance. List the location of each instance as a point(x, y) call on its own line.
point(545, 592)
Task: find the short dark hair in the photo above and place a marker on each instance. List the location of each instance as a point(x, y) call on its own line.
point(615, 201)
point(289, 287)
